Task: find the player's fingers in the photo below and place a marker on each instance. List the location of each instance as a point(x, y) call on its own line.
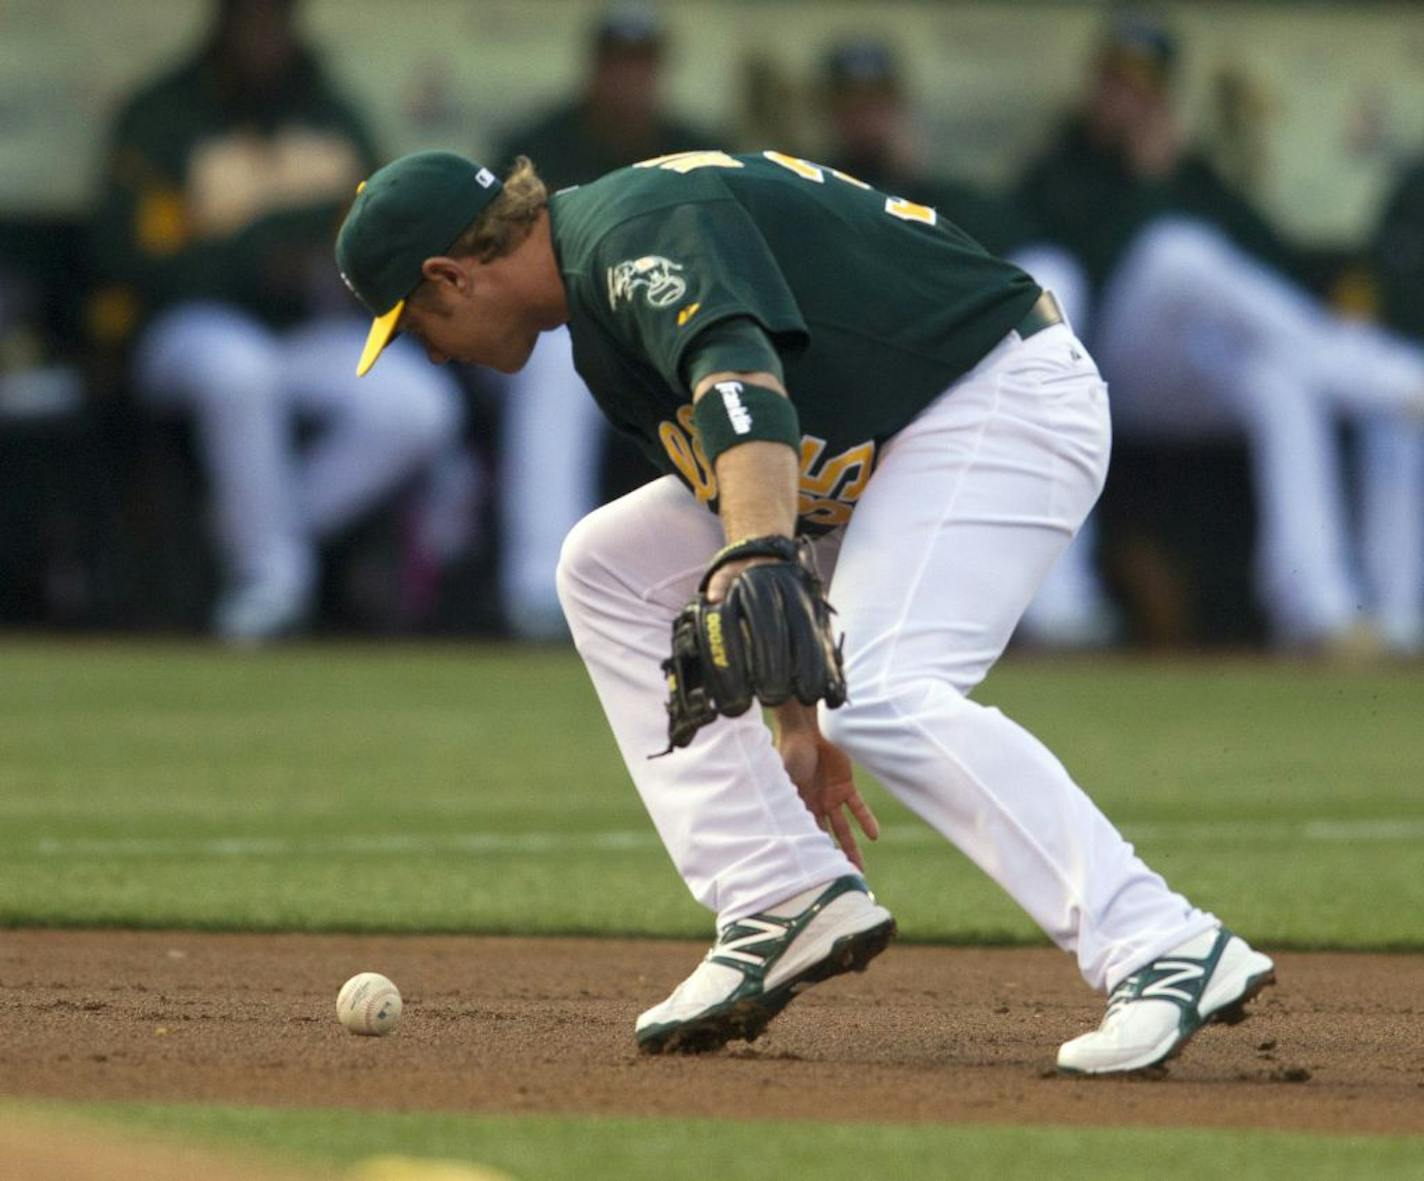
point(864, 816)
point(845, 837)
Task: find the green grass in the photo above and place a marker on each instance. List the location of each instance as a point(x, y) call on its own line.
point(477, 789)
point(568, 1149)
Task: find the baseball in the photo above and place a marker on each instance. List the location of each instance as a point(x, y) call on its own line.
point(369, 1004)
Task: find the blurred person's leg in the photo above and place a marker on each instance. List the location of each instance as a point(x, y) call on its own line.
point(549, 454)
point(1364, 367)
point(377, 431)
point(1190, 326)
point(398, 425)
point(224, 369)
point(1072, 608)
point(1392, 528)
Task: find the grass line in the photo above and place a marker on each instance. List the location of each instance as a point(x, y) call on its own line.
point(576, 1149)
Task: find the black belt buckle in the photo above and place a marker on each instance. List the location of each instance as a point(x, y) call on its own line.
point(1045, 313)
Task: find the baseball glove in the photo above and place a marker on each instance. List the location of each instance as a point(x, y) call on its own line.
point(768, 640)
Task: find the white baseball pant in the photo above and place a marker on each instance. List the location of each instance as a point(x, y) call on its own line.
point(968, 508)
point(244, 383)
point(1072, 607)
point(550, 444)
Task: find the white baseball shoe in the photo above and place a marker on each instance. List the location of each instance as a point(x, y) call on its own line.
point(759, 964)
point(1155, 1011)
point(260, 611)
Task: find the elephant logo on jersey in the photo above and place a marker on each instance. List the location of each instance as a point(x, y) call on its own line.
point(659, 278)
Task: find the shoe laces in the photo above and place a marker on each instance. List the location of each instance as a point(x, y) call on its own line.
point(1123, 994)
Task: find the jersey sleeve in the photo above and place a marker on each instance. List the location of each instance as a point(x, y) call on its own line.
point(665, 277)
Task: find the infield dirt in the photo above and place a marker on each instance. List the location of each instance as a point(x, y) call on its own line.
point(545, 1025)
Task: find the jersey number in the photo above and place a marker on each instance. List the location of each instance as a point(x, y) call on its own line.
point(688, 161)
point(828, 488)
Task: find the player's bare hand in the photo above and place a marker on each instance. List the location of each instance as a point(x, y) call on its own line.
point(822, 774)
point(725, 575)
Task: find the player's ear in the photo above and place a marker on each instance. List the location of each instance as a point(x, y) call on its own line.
point(446, 273)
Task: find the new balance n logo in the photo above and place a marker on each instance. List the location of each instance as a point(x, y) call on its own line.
point(1178, 972)
point(758, 931)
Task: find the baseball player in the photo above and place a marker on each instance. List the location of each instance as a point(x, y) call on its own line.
point(808, 358)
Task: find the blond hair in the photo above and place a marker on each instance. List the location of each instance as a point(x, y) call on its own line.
point(509, 218)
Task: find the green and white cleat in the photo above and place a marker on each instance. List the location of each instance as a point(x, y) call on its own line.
point(759, 964)
point(1155, 1011)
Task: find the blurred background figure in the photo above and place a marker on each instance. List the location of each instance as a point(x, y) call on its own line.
point(224, 183)
point(1393, 468)
point(45, 531)
point(871, 135)
point(554, 438)
point(186, 333)
point(1200, 324)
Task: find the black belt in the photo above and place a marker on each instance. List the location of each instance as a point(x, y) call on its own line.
point(1045, 313)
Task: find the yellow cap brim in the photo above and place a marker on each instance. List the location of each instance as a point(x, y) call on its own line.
point(383, 328)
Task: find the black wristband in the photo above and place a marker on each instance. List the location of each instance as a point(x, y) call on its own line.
point(734, 412)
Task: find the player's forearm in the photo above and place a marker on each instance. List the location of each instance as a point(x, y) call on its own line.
point(756, 488)
point(756, 480)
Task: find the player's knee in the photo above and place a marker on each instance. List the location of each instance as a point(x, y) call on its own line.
point(582, 561)
point(210, 356)
point(1184, 248)
point(235, 376)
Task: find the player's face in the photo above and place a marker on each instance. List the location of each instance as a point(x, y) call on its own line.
point(1116, 104)
point(260, 41)
point(624, 85)
point(868, 121)
point(480, 322)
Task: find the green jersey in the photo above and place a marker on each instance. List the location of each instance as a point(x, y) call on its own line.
point(874, 303)
point(214, 194)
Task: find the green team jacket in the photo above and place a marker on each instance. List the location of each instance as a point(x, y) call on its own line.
point(567, 150)
point(211, 195)
point(1089, 202)
point(1397, 254)
point(874, 304)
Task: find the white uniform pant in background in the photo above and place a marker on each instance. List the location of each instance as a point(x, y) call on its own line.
point(1392, 528)
point(244, 383)
point(550, 446)
point(968, 508)
point(1195, 335)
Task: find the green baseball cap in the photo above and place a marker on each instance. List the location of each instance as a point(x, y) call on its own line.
point(412, 209)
